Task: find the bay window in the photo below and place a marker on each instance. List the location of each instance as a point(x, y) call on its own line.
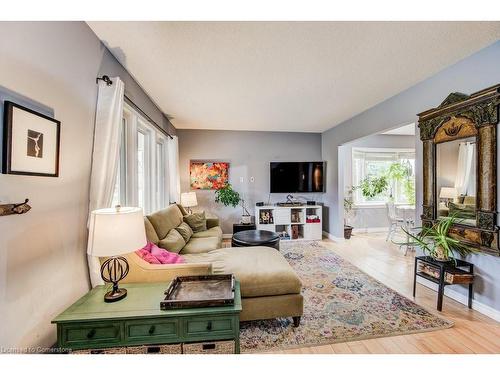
point(379, 167)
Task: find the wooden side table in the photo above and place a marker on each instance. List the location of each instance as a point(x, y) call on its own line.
point(137, 320)
point(454, 269)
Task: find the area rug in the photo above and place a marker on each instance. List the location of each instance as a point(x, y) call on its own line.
point(341, 303)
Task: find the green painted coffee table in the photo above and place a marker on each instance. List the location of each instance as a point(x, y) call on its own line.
point(90, 323)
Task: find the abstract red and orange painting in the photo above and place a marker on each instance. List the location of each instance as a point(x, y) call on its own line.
point(207, 175)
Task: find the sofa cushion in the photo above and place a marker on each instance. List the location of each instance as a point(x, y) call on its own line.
point(150, 232)
point(196, 221)
point(212, 232)
point(469, 200)
point(462, 211)
point(185, 231)
point(212, 221)
point(165, 220)
point(172, 242)
point(201, 245)
point(262, 271)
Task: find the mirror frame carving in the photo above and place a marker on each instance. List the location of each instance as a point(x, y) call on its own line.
point(461, 116)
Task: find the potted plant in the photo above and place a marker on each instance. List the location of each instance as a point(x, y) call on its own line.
point(229, 197)
point(437, 242)
point(348, 210)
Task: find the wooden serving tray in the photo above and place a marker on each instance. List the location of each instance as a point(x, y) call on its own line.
point(199, 291)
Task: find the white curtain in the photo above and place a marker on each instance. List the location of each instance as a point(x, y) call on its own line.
point(174, 178)
point(105, 155)
point(465, 177)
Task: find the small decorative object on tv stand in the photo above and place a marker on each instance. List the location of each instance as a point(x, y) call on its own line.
point(289, 204)
point(299, 222)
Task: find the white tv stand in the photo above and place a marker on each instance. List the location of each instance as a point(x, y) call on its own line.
point(290, 220)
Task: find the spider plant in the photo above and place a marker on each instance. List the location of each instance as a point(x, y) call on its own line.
point(437, 242)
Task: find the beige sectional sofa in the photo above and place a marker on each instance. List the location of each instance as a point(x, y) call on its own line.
point(269, 286)
point(160, 229)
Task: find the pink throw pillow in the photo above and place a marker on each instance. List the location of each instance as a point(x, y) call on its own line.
point(145, 254)
point(164, 256)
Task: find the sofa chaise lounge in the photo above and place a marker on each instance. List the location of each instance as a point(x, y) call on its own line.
point(269, 286)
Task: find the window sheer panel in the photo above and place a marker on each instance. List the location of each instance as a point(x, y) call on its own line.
point(161, 171)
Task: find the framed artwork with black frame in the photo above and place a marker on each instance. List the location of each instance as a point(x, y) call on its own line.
point(31, 142)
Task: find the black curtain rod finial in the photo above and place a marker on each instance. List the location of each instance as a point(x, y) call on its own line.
point(109, 82)
point(104, 78)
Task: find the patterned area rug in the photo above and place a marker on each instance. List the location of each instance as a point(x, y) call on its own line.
point(341, 303)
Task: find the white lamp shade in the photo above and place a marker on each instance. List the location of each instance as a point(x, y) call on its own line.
point(189, 199)
point(448, 193)
point(116, 231)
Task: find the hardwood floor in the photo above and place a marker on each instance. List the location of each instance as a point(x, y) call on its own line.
point(472, 332)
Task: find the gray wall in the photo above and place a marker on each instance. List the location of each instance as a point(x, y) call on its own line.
point(43, 267)
point(371, 217)
point(469, 75)
point(249, 154)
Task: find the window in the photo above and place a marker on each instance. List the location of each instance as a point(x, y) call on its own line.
point(142, 175)
point(397, 165)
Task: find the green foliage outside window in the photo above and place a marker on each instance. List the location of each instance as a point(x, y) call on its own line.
point(372, 186)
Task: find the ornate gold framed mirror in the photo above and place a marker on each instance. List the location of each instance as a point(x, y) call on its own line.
point(459, 166)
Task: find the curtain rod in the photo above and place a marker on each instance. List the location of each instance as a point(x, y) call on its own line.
point(109, 82)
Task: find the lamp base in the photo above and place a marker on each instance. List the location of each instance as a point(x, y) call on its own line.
point(115, 295)
point(113, 270)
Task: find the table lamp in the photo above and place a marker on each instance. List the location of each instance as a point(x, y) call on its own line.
point(189, 200)
point(113, 232)
point(448, 193)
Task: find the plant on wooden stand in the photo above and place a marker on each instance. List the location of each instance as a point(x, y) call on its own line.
point(348, 211)
point(229, 197)
point(437, 242)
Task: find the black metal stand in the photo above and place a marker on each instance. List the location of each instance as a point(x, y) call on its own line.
point(453, 267)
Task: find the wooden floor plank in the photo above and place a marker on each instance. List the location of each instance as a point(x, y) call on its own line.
point(341, 348)
point(390, 345)
point(323, 349)
point(415, 341)
point(374, 347)
point(407, 347)
point(358, 347)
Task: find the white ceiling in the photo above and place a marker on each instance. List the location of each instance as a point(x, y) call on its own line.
point(284, 76)
point(402, 130)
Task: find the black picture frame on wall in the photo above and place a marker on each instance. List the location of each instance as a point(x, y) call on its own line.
point(31, 142)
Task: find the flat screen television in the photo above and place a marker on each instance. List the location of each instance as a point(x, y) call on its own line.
point(297, 177)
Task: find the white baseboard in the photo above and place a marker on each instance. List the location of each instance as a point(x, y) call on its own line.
point(462, 298)
point(370, 230)
point(332, 237)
